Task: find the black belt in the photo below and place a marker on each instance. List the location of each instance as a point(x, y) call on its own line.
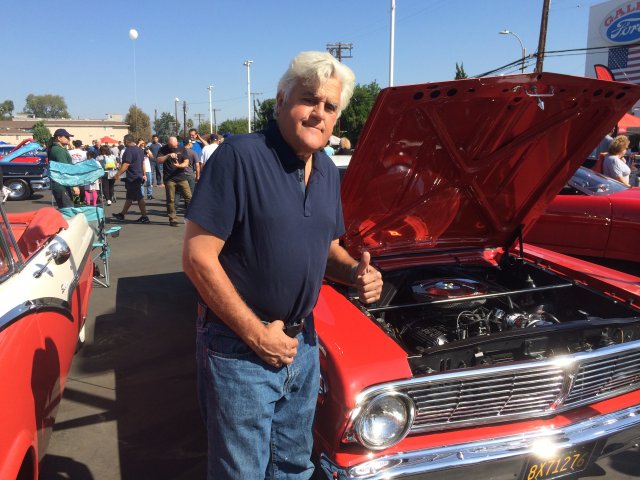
point(291, 329)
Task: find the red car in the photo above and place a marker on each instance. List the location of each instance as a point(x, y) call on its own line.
point(46, 274)
point(594, 216)
point(485, 357)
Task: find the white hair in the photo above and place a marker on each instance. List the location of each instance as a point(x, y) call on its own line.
point(313, 69)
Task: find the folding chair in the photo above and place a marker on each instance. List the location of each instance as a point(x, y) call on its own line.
point(83, 173)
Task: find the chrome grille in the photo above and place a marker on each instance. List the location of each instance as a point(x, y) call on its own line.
point(518, 390)
point(600, 377)
point(473, 399)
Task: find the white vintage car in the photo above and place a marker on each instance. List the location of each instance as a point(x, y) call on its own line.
point(46, 277)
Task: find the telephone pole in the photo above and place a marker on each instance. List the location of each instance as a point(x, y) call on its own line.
point(247, 63)
point(543, 36)
point(336, 49)
point(199, 117)
point(210, 88)
point(215, 123)
point(254, 94)
point(184, 114)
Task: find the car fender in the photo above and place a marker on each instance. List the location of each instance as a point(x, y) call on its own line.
point(12, 461)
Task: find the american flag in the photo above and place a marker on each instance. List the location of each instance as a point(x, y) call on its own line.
point(624, 62)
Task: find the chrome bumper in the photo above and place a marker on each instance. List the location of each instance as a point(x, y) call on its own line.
point(498, 458)
point(41, 184)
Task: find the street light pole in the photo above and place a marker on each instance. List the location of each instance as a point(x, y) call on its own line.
point(391, 43)
point(176, 100)
point(210, 88)
point(247, 63)
point(522, 49)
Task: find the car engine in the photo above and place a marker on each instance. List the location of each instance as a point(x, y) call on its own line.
point(452, 317)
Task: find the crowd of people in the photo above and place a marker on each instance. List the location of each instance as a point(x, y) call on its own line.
point(140, 164)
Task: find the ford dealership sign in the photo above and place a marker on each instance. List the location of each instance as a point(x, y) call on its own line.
point(622, 24)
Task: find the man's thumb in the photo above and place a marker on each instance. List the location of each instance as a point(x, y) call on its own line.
point(364, 264)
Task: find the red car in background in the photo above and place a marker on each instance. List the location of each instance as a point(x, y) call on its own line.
point(485, 357)
point(593, 215)
point(46, 273)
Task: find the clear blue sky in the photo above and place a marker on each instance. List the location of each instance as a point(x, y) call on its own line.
point(80, 49)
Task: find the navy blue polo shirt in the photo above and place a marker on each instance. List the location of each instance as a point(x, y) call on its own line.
point(277, 233)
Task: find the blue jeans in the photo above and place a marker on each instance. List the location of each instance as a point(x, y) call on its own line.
point(259, 418)
point(157, 168)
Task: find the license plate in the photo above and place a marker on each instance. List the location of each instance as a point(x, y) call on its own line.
point(564, 463)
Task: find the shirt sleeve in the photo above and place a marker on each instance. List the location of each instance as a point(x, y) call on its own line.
point(219, 202)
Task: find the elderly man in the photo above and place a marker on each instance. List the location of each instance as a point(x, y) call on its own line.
point(263, 230)
point(175, 172)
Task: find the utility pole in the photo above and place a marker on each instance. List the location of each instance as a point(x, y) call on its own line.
point(215, 124)
point(210, 88)
point(176, 100)
point(247, 63)
point(199, 116)
point(184, 114)
point(254, 94)
point(543, 36)
point(392, 41)
point(336, 50)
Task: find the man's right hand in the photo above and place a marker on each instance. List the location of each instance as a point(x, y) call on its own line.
point(275, 347)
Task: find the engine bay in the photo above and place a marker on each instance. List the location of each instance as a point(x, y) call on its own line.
point(458, 316)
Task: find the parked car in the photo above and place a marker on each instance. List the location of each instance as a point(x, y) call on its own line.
point(30, 155)
point(46, 274)
point(23, 178)
point(593, 215)
point(485, 357)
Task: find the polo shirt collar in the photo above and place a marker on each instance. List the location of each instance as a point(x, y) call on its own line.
point(287, 156)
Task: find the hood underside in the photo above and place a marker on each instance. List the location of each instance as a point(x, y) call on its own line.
point(463, 164)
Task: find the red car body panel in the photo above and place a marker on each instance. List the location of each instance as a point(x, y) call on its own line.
point(39, 327)
point(605, 226)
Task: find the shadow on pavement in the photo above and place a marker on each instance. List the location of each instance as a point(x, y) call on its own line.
point(149, 344)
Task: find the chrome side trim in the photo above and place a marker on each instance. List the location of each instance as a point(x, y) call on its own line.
point(617, 431)
point(33, 306)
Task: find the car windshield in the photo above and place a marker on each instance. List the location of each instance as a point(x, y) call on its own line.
point(593, 183)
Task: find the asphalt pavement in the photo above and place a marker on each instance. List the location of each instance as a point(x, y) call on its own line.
point(130, 409)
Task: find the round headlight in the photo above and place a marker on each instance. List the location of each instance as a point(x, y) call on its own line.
point(385, 420)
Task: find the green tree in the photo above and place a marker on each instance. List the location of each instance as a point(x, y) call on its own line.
point(6, 110)
point(139, 123)
point(355, 115)
point(165, 126)
point(204, 128)
point(460, 73)
point(264, 113)
point(46, 106)
point(234, 126)
point(41, 134)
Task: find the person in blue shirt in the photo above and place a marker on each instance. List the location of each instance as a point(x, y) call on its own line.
point(197, 142)
point(262, 232)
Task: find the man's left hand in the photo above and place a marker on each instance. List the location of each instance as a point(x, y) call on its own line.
point(368, 280)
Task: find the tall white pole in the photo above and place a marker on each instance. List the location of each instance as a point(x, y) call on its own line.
point(210, 88)
point(391, 43)
point(247, 64)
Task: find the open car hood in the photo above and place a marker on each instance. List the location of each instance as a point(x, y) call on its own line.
point(469, 163)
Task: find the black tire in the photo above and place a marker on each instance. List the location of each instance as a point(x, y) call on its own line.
point(20, 189)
